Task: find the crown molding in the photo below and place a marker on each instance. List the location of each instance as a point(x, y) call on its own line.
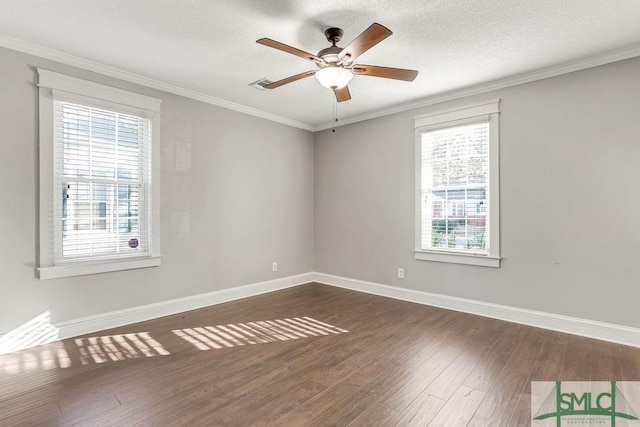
point(85, 64)
point(544, 73)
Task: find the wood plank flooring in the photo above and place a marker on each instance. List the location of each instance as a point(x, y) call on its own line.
point(312, 355)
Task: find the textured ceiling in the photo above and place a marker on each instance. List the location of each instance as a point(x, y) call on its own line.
point(208, 46)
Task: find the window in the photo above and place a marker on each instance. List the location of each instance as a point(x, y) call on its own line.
point(457, 183)
point(98, 178)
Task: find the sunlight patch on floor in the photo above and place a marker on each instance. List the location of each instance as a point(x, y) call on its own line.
point(86, 351)
point(118, 347)
point(43, 359)
point(259, 332)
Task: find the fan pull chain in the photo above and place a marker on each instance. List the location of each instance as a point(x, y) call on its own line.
point(335, 111)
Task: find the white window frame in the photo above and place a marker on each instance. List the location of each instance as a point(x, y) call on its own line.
point(52, 86)
point(488, 111)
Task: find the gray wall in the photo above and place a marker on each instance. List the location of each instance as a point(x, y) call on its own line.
point(237, 194)
point(570, 178)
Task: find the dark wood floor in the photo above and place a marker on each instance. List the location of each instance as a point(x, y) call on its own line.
point(310, 355)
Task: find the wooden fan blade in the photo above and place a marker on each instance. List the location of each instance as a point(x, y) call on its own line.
point(290, 49)
point(386, 72)
point(279, 83)
point(365, 41)
point(342, 94)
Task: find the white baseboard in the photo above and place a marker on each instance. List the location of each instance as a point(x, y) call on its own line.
point(587, 328)
point(16, 340)
point(166, 308)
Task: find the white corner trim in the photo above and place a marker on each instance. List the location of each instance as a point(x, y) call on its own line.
point(544, 73)
point(572, 325)
point(85, 64)
point(114, 319)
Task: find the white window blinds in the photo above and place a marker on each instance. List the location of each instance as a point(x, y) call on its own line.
point(455, 189)
point(102, 184)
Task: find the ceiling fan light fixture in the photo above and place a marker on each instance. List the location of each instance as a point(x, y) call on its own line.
point(334, 77)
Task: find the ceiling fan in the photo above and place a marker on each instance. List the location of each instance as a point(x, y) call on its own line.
point(335, 64)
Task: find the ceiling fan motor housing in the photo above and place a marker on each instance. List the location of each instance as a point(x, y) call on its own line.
point(330, 55)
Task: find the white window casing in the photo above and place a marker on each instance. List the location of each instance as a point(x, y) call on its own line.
point(99, 205)
point(457, 185)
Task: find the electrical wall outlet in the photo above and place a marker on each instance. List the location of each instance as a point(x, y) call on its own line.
point(274, 266)
point(401, 273)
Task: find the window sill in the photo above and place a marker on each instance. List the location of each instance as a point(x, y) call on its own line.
point(84, 268)
point(458, 258)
